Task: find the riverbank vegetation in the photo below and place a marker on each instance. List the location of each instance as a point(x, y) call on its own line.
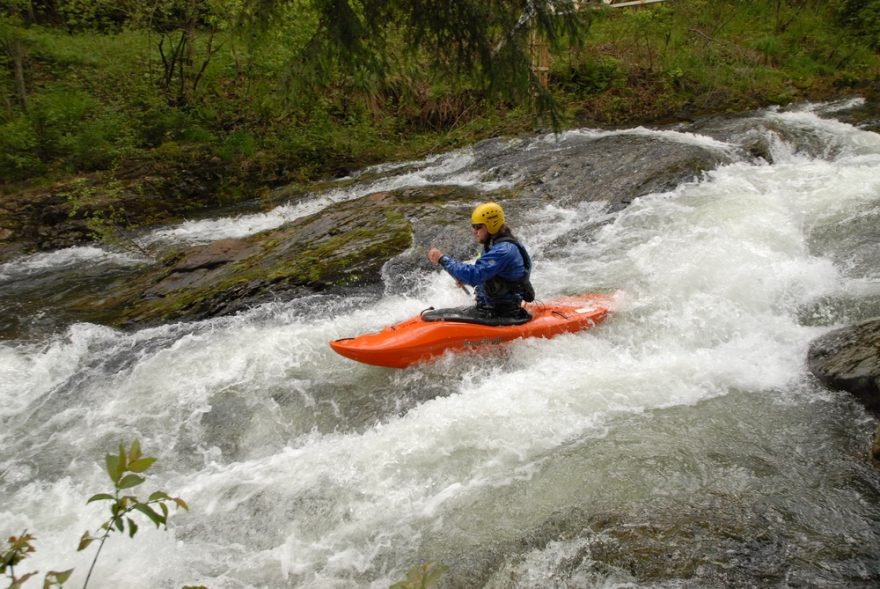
point(119, 89)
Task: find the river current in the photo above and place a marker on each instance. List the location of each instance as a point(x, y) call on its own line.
point(682, 443)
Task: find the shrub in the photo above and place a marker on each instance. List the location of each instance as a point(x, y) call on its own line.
point(18, 150)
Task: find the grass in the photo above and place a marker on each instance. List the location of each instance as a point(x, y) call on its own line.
point(95, 99)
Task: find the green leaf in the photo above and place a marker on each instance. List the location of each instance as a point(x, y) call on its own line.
point(113, 468)
point(19, 582)
point(123, 462)
point(148, 511)
point(56, 578)
point(129, 481)
point(62, 576)
point(159, 496)
point(132, 528)
point(134, 452)
point(120, 525)
point(100, 497)
point(84, 541)
point(141, 464)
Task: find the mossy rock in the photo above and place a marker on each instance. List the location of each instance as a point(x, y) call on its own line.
point(342, 246)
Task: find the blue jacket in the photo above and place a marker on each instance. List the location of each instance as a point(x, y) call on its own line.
point(501, 259)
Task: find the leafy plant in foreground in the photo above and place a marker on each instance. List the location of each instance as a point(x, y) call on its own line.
point(18, 548)
point(125, 470)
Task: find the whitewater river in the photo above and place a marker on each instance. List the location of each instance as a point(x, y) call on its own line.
point(682, 443)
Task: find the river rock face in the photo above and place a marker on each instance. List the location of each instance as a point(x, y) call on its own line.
point(374, 241)
point(344, 246)
point(849, 359)
point(141, 193)
point(589, 166)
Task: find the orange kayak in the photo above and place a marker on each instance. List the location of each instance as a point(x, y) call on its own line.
point(417, 340)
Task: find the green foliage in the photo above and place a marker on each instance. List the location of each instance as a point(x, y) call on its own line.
point(590, 76)
point(18, 150)
point(99, 15)
point(56, 116)
point(306, 88)
point(64, 129)
point(483, 42)
point(237, 143)
point(744, 53)
point(105, 216)
point(863, 16)
point(422, 576)
point(126, 470)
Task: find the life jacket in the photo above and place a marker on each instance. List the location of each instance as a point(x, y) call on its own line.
point(498, 286)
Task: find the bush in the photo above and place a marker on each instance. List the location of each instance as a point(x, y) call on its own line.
point(100, 141)
point(590, 77)
point(863, 16)
point(56, 115)
point(237, 143)
point(63, 130)
point(18, 150)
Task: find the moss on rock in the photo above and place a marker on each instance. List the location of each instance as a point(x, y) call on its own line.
point(342, 246)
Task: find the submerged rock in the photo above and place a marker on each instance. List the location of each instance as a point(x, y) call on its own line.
point(849, 359)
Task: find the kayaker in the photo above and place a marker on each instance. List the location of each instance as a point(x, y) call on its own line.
point(500, 276)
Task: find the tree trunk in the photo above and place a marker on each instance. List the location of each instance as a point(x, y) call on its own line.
point(189, 58)
point(16, 52)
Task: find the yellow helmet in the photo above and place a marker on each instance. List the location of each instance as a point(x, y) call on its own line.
point(489, 214)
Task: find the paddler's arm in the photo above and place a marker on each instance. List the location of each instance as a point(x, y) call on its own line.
point(436, 256)
point(486, 266)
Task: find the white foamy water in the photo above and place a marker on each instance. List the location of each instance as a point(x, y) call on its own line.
point(64, 259)
point(304, 469)
point(671, 136)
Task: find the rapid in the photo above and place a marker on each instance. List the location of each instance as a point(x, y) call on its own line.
point(681, 443)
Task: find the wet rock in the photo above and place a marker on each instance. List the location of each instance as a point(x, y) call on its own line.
point(849, 359)
point(143, 192)
point(585, 166)
point(356, 243)
point(875, 448)
point(343, 246)
point(197, 263)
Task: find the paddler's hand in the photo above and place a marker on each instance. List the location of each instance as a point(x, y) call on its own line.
point(434, 255)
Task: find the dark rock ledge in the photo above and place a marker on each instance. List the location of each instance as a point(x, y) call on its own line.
point(849, 359)
point(343, 246)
